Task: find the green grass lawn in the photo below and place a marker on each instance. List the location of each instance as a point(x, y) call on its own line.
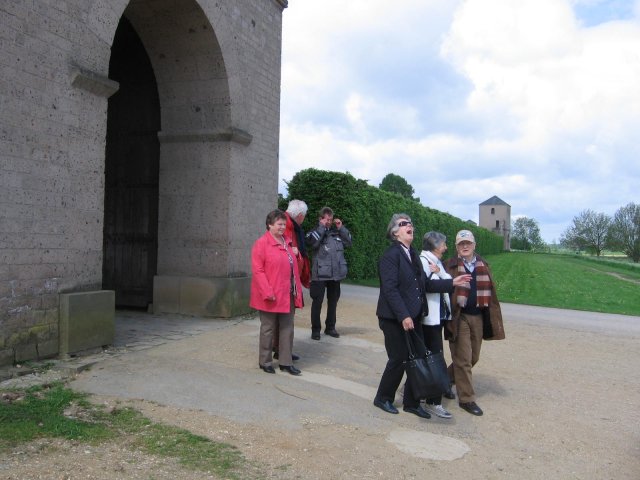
point(576, 282)
point(573, 282)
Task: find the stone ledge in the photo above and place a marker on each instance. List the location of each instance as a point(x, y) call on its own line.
point(93, 82)
point(230, 134)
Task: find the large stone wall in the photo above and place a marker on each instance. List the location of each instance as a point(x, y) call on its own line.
point(217, 63)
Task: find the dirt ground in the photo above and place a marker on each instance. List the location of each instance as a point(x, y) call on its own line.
point(560, 402)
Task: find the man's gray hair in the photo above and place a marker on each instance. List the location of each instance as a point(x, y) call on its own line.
point(433, 240)
point(297, 207)
point(393, 227)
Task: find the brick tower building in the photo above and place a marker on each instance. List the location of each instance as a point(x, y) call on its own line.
point(495, 215)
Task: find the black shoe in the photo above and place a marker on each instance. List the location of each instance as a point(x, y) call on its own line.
point(332, 333)
point(294, 357)
point(315, 335)
point(385, 405)
point(291, 369)
point(449, 394)
point(268, 368)
point(419, 411)
point(472, 408)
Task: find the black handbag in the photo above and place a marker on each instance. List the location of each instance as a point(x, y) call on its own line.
point(426, 371)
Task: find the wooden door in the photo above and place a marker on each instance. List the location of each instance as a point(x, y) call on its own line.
point(131, 174)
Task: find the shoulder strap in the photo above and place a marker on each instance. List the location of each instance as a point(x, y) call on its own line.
point(427, 259)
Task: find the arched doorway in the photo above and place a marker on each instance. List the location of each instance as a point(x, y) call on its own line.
point(130, 244)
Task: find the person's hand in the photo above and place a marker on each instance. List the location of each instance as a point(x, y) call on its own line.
point(462, 280)
point(338, 223)
point(407, 323)
point(434, 268)
point(295, 251)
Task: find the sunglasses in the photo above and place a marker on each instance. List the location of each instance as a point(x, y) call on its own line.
point(404, 223)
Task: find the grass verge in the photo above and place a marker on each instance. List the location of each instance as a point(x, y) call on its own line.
point(566, 282)
point(576, 282)
point(56, 411)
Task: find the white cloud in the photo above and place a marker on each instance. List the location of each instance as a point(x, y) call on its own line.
point(530, 60)
point(466, 100)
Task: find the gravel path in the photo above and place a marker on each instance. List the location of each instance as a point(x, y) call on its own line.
point(561, 397)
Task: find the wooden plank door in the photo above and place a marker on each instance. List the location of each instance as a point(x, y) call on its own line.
point(131, 174)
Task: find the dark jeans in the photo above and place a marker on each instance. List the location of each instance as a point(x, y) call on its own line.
point(432, 335)
point(316, 291)
point(396, 346)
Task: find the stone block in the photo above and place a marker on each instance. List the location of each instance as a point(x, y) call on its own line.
point(201, 296)
point(7, 356)
point(48, 348)
point(25, 351)
point(166, 294)
point(87, 320)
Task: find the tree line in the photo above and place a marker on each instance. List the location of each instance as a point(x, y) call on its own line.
point(594, 232)
point(590, 231)
point(366, 210)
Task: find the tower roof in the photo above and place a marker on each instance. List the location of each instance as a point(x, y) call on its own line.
point(495, 200)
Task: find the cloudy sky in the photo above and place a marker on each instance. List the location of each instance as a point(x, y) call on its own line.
point(536, 101)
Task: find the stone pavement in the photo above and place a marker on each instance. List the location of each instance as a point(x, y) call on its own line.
point(134, 331)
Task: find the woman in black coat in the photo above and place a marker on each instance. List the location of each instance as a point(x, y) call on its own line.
point(401, 306)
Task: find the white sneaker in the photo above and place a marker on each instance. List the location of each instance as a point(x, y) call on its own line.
point(438, 410)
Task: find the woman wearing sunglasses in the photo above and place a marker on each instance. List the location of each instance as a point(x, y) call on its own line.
point(401, 306)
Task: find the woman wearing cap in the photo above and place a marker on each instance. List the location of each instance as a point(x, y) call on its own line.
point(401, 306)
point(476, 316)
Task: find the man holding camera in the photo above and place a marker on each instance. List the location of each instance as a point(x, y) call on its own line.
point(327, 242)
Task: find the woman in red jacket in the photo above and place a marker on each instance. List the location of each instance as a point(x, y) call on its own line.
point(275, 291)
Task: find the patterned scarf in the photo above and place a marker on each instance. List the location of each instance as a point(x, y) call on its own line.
point(483, 284)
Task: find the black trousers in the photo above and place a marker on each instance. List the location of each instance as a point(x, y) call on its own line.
point(432, 335)
point(397, 352)
point(316, 291)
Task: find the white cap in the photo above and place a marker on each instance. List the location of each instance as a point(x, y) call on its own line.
point(465, 235)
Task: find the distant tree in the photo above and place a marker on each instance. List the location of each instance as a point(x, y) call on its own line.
point(525, 234)
point(396, 184)
point(588, 232)
point(624, 233)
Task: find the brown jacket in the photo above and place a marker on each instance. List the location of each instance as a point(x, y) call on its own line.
point(493, 328)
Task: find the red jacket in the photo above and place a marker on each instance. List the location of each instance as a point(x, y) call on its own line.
point(272, 276)
point(304, 266)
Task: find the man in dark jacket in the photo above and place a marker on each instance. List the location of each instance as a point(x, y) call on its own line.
point(327, 243)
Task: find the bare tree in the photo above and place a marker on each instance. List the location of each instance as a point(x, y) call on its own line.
point(588, 232)
point(625, 231)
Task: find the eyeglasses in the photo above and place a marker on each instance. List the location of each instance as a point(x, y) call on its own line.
point(404, 223)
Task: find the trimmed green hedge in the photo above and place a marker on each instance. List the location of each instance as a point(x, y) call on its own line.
point(366, 211)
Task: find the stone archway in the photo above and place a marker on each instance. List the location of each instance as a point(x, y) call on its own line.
point(196, 146)
point(217, 69)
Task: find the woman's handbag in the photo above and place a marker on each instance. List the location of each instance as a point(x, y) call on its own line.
point(426, 371)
